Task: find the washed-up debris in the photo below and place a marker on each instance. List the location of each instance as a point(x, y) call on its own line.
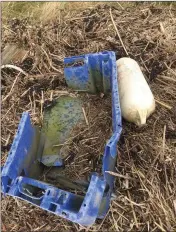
point(34, 149)
point(136, 99)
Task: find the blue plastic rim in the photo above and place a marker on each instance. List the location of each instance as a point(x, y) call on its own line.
point(91, 73)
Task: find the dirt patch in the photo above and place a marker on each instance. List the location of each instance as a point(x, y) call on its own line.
point(145, 201)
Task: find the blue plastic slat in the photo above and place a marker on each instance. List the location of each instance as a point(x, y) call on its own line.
point(17, 159)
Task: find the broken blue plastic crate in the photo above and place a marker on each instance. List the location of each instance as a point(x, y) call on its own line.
point(97, 73)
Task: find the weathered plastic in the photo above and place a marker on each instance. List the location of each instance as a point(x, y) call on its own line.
point(58, 121)
point(136, 99)
point(98, 73)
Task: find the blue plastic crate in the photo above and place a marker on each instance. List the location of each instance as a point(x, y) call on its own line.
point(97, 73)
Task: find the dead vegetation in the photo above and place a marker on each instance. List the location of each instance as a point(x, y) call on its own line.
point(146, 156)
point(89, 138)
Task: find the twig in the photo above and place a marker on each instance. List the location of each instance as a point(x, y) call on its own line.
point(114, 202)
point(49, 61)
point(85, 116)
point(88, 139)
point(160, 227)
point(144, 65)
point(118, 33)
point(170, 69)
point(71, 138)
point(61, 144)
point(168, 78)
point(41, 106)
point(120, 5)
point(134, 214)
point(14, 67)
point(7, 140)
point(118, 175)
point(162, 28)
point(163, 104)
point(8, 95)
point(33, 93)
point(103, 221)
point(174, 202)
point(134, 203)
point(115, 221)
point(51, 96)
point(164, 139)
point(7, 112)
point(39, 228)
point(25, 92)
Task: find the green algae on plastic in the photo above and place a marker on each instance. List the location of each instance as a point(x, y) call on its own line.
point(58, 123)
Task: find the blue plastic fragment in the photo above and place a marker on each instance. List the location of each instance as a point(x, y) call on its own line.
point(97, 73)
point(90, 72)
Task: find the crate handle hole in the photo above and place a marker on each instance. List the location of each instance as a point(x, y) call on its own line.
point(48, 193)
point(63, 213)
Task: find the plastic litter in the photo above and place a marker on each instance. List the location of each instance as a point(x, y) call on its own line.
point(31, 148)
point(136, 99)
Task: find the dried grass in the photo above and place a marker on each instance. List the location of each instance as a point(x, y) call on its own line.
point(147, 156)
point(87, 146)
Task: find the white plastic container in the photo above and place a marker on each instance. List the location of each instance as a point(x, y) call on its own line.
point(136, 99)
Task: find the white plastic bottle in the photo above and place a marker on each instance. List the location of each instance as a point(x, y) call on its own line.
point(136, 99)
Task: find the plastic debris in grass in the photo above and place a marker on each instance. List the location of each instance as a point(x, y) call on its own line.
point(33, 149)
